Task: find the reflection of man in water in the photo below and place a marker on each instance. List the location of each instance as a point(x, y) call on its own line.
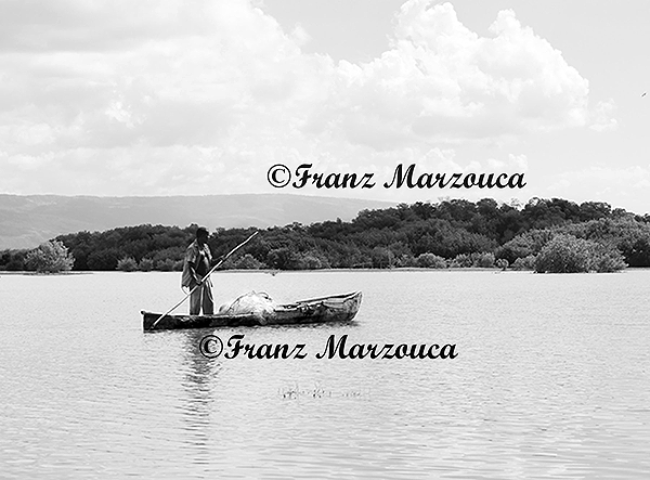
point(196, 265)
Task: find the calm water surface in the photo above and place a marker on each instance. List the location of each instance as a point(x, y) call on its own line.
point(552, 380)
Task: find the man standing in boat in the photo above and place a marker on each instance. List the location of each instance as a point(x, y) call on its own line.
point(196, 265)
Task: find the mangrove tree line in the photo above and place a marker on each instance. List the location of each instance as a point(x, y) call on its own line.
point(544, 235)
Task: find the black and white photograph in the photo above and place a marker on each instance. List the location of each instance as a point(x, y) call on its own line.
point(310, 239)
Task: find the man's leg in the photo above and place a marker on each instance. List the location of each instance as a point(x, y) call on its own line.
point(195, 301)
point(208, 300)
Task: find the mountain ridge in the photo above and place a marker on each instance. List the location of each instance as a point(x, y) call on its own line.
point(28, 220)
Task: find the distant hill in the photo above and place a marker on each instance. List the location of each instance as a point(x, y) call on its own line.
point(27, 221)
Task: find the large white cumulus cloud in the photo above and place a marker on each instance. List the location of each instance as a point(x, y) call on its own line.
point(442, 81)
point(170, 96)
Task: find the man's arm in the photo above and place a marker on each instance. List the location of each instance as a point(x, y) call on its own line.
point(195, 277)
point(215, 261)
point(191, 257)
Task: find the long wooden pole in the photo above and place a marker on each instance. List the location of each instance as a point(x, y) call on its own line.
point(204, 278)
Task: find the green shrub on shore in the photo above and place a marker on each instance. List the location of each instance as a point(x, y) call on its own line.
point(474, 260)
point(524, 245)
point(485, 260)
point(607, 259)
point(429, 260)
point(568, 254)
point(248, 262)
point(145, 265)
point(127, 264)
point(462, 261)
point(166, 265)
point(310, 262)
point(178, 266)
point(501, 263)
point(49, 257)
point(524, 263)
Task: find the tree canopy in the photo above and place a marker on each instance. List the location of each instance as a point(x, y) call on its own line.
point(431, 235)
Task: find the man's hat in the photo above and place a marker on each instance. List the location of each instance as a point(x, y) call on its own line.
point(202, 231)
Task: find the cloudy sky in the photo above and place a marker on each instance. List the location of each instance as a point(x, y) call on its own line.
point(167, 97)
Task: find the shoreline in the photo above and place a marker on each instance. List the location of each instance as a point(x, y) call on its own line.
point(274, 272)
point(321, 270)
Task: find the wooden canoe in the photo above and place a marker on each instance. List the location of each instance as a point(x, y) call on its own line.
point(336, 308)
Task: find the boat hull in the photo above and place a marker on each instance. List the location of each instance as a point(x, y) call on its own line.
point(333, 309)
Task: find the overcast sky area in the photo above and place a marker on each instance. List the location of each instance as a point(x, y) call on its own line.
point(170, 97)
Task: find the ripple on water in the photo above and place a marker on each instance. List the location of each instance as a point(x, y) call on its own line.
point(551, 381)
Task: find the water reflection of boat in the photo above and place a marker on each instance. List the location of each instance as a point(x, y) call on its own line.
point(336, 308)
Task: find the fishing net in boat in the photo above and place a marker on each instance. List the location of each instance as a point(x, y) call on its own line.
point(253, 302)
